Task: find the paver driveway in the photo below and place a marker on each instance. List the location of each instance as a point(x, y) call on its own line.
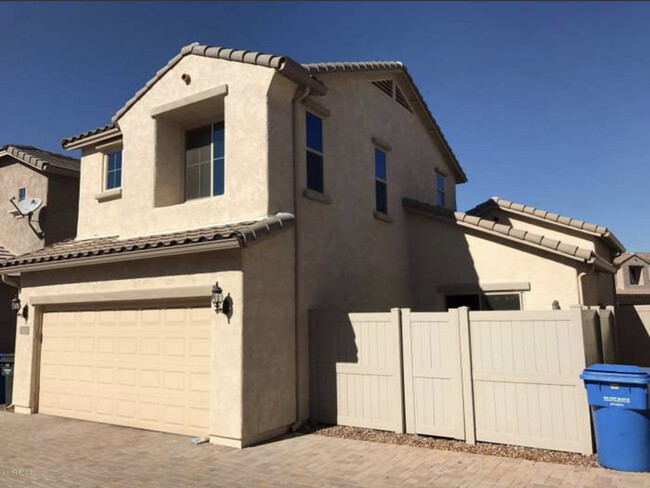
point(40, 450)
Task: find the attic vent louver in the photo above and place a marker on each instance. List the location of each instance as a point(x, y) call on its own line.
point(386, 86)
point(401, 99)
point(393, 91)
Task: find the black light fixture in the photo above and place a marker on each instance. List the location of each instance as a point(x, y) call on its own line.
point(221, 304)
point(15, 304)
point(217, 298)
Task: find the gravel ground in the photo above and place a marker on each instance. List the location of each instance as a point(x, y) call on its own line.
point(502, 450)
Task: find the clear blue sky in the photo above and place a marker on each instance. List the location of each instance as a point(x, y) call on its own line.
point(543, 103)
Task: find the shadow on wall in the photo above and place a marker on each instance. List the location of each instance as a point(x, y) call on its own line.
point(439, 255)
point(633, 334)
point(7, 319)
point(332, 341)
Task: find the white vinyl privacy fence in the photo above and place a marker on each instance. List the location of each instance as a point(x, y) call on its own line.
point(508, 377)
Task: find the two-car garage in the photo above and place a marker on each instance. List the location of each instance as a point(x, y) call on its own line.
point(145, 367)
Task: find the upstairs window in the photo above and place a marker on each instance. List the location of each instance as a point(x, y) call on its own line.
point(381, 194)
point(205, 161)
point(114, 170)
point(440, 190)
point(21, 194)
point(635, 275)
point(314, 153)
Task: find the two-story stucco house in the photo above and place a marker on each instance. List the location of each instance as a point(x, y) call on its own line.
point(293, 187)
point(27, 173)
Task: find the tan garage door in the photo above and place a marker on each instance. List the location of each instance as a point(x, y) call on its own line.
point(145, 367)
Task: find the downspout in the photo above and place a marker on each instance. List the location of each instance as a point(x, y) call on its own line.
point(10, 282)
point(581, 296)
point(301, 94)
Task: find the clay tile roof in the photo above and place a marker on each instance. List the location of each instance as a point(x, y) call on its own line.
point(525, 237)
point(576, 224)
point(99, 130)
point(4, 254)
point(302, 73)
point(243, 232)
point(41, 159)
point(618, 260)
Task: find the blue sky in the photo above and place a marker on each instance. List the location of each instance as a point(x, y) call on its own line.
point(543, 103)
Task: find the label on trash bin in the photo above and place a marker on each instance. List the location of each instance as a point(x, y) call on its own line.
point(616, 401)
point(613, 386)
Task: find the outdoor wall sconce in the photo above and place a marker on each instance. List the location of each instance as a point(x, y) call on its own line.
point(15, 304)
point(221, 304)
point(16, 307)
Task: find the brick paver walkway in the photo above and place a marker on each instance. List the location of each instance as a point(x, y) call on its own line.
point(40, 450)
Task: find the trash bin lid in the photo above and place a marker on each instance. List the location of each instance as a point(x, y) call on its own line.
point(616, 373)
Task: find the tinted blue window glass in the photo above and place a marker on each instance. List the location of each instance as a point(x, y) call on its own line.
point(218, 163)
point(380, 164)
point(440, 183)
point(314, 132)
point(381, 203)
point(114, 170)
point(314, 172)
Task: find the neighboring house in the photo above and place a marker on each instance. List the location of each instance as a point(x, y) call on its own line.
point(633, 278)
point(27, 172)
point(633, 307)
point(295, 187)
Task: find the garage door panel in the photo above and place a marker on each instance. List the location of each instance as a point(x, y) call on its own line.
point(145, 368)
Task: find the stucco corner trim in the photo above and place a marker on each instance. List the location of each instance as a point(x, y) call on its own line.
point(108, 195)
point(317, 196)
point(201, 97)
point(383, 217)
point(381, 144)
point(316, 107)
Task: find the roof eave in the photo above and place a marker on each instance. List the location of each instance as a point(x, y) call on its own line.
point(91, 139)
point(230, 243)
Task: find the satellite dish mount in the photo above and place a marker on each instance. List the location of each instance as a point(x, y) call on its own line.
point(26, 208)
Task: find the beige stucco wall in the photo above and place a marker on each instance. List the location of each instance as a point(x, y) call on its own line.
point(247, 156)
point(135, 278)
point(346, 258)
point(447, 254)
point(16, 235)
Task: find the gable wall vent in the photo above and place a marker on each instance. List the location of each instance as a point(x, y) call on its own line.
point(393, 91)
point(401, 99)
point(386, 86)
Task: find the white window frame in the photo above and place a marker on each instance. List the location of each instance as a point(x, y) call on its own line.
point(629, 271)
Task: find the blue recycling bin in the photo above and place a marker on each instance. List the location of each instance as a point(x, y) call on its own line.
point(618, 396)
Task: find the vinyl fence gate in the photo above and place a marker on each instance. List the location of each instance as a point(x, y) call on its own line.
point(507, 377)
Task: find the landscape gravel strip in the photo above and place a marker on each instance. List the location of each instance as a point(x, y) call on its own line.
point(503, 450)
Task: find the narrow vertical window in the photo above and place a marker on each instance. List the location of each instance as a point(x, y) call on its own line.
point(440, 190)
point(114, 170)
point(205, 161)
point(314, 152)
point(21, 194)
point(218, 159)
point(381, 195)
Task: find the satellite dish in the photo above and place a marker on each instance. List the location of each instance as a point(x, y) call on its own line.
point(27, 206)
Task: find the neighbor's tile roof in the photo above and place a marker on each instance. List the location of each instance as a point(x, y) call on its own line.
point(244, 232)
point(485, 225)
point(618, 260)
point(41, 159)
point(521, 208)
